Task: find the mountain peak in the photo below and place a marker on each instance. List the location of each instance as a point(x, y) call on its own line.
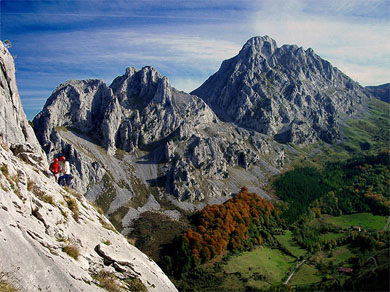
point(145, 70)
point(264, 45)
point(286, 92)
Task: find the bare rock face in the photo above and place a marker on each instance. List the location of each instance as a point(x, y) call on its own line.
point(79, 104)
point(149, 142)
point(52, 238)
point(285, 92)
point(150, 111)
point(142, 112)
point(15, 132)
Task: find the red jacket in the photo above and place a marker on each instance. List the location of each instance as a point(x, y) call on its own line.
point(55, 167)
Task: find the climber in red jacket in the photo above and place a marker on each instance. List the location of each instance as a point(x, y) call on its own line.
point(55, 168)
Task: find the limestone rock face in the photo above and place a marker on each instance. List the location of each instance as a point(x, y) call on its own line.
point(285, 92)
point(52, 238)
point(154, 135)
point(80, 104)
point(147, 110)
point(15, 132)
point(42, 225)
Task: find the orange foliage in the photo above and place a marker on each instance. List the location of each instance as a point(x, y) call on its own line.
point(227, 226)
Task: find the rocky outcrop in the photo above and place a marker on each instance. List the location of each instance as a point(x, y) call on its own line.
point(15, 132)
point(172, 140)
point(286, 92)
point(150, 111)
point(52, 238)
point(79, 104)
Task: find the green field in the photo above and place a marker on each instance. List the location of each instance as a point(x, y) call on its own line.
point(338, 255)
point(341, 254)
point(288, 242)
point(306, 274)
point(257, 268)
point(364, 220)
point(330, 236)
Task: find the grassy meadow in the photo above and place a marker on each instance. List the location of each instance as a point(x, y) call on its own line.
point(258, 268)
point(364, 220)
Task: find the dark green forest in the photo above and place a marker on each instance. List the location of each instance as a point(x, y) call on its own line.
point(360, 184)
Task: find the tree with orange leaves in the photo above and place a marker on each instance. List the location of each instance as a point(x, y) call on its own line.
point(236, 224)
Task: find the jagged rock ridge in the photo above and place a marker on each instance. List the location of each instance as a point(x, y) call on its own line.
point(159, 142)
point(286, 92)
point(53, 239)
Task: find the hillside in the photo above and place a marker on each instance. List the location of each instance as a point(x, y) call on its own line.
point(381, 92)
point(330, 233)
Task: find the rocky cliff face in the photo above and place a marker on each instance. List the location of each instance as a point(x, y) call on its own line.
point(53, 239)
point(285, 92)
point(150, 146)
point(15, 132)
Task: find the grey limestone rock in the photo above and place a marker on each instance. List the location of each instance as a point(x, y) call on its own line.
point(15, 131)
point(174, 137)
point(285, 92)
point(78, 104)
point(37, 223)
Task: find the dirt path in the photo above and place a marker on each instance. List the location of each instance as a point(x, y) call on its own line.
point(293, 272)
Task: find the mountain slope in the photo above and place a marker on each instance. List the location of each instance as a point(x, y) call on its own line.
point(381, 92)
point(53, 239)
point(285, 92)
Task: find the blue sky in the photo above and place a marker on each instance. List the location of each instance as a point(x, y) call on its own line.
point(54, 41)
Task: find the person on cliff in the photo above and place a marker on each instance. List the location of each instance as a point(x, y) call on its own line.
point(65, 177)
point(55, 168)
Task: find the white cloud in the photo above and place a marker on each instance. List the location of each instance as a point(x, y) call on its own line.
point(366, 74)
point(346, 41)
point(117, 44)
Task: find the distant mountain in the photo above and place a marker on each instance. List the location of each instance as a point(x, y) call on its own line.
point(285, 92)
point(381, 92)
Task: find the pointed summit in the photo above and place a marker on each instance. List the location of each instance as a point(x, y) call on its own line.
point(287, 92)
point(263, 45)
